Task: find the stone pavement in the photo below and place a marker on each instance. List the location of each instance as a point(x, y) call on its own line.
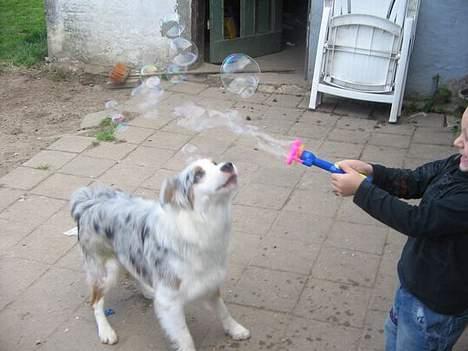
point(308, 270)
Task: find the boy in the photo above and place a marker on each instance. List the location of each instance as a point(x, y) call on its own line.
point(430, 309)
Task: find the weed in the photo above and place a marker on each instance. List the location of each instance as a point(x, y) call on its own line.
point(106, 130)
point(43, 167)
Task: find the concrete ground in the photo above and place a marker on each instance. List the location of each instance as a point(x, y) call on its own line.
point(308, 270)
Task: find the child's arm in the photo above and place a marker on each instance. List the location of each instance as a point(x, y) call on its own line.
point(433, 217)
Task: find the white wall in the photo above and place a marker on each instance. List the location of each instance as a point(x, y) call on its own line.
point(104, 32)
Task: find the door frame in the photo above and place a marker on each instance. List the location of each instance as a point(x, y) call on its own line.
point(198, 27)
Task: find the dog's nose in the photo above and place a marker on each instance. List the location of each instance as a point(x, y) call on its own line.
point(227, 167)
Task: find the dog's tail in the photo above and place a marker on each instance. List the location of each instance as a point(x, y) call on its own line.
point(84, 198)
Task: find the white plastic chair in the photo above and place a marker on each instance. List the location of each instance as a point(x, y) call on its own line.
point(363, 51)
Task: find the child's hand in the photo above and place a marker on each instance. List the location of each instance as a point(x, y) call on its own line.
point(359, 166)
point(346, 184)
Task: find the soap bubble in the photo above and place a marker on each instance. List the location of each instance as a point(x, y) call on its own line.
point(170, 26)
point(111, 105)
point(148, 70)
point(239, 75)
point(172, 68)
point(183, 52)
point(153, 83)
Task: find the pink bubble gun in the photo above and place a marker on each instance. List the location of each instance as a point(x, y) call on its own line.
point(307, 158)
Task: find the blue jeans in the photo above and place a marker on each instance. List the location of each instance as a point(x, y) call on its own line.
point(412, 326)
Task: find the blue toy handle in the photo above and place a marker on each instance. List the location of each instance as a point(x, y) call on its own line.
point(309, 159)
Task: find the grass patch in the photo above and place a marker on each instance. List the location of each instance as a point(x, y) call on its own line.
point(106, 130)
point(23, 38)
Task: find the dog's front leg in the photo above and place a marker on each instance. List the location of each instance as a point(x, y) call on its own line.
point(169, 308)
point(230, 325)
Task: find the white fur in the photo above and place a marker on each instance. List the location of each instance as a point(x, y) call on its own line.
point(176, 249)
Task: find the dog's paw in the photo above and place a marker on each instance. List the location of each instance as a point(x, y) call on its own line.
point(238, 332)
point(108, 335)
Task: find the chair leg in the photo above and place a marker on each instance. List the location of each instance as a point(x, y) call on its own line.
point(314, 98)
point(394, 111)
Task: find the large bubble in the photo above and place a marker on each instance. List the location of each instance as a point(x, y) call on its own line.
point(239, 75)
point(171, 27)
point(183, 52)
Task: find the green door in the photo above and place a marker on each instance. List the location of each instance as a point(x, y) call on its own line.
point(252, 27)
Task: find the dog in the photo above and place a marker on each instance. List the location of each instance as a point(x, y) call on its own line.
point(175, 248)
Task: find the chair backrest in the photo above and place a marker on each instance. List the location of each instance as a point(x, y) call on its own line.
point(363, 44)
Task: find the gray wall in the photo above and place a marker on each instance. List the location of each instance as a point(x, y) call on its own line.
point(103, 32)
point(441, 44)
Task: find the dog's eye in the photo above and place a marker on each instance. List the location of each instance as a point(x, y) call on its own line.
point(199, 174)
point(215, 163)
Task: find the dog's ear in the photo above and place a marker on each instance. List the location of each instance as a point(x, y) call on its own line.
point(177, 193)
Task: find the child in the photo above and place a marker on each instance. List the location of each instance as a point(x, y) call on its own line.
point(430, 309)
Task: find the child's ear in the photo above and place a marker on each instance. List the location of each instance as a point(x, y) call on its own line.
point(176, 193)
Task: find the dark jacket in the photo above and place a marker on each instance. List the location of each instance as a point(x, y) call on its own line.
point(434, 263)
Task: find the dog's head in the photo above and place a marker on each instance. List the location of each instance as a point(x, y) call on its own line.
point(199, 182)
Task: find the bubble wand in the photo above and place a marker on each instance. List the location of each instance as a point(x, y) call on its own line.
point(307, 158)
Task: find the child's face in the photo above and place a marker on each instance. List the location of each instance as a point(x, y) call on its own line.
point(462, 142)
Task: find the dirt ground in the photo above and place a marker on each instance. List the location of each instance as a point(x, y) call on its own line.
point(37, 107)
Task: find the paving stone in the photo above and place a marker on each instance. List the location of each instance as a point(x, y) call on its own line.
point(152, 121)
point(60, 186)
point(46, 245)
point(249, 110)
point(24, 178)
point(335, 303)
point(33, 210)
point(216, 93)
point(216, 104)
point(350, 212)
point(60, 294)
point(272, 290)
point(282, 100)
point(243, 247)
point(429, 120)
point(164, 140)
point(333, 150)
point(93, 119)
point(285, 255)
point(174, 127)
point(148, 157)
point(315, 179)
point(155, 181)
point(283, 113)
point(252, 220)
point(462, 343)
point(413, 163)
point(72, 260)
point(284, 177)
point(373, 337)
point(188, 88)
point(309, 130)
point(310, 335)
point(433, 137)
point(72, 143)
point(302, 201)
point(351, 108)
point(301, 227)
point(84, 166)
point(241, 153)
point(350, 136)
point(346, 266)
point(49, 160)
point(126, 175)
point(265, 196)
point(323, 119)
point(267, 329)
point(234, 273)
point(133, 134)
point(356, 123)
point(211, 146)
point(11, 233)
point(111, 151)
point(430, 152)
point(8, 196)
point(16, 275)
point(394, 140)
point(182, 159)
point(391, 128)
point(384, 292)
point(272, 126)
point(385, 155)
point(361, 237)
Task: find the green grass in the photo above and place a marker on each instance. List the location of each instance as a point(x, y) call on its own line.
point(23, 39)
point(106, 130)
